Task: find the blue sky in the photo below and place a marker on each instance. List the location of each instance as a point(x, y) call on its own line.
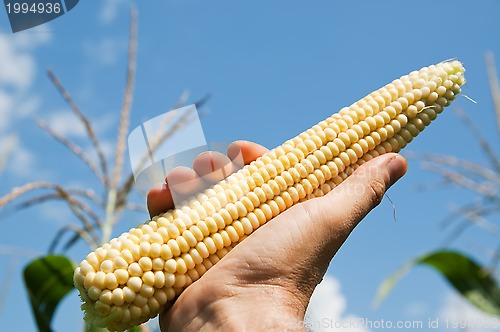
point(273, 70)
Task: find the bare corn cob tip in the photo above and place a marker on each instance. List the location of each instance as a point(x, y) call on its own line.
point(129, 280)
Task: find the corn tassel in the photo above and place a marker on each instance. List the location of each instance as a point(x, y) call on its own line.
point(129, 280)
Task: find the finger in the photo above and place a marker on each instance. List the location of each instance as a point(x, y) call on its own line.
point(183, 181)
point(246, 151)
point(159, 200)
point(213, 166)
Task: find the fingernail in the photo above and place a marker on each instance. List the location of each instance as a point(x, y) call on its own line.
point(397, 167)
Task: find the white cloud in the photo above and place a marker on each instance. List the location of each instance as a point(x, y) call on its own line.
point(108, 148)
point(16, 159)
point(105, 51)
point(109, 10)
point(66, 123)
point(416, 309)
point(26, 106)
point(17, 74)
point(17, 65)
point(326, 311)
point(457, 314)
point(33, 38)
point(6, 102)
point(103, 125)
point(21, 161)
point(56, 217)
point(14, 107)
point(6, 146)
point(17, 69)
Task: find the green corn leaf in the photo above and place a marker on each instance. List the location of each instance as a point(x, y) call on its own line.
point(474, 282)
point(47, 279)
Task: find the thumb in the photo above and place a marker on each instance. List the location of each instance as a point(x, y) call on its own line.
point(305, 238)
point(309, 234)
point(294, 249)
point(336, 214)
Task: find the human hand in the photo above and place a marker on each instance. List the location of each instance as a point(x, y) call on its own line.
point(266, 281)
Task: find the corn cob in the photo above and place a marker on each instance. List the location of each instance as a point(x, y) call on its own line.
point(129, 280)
